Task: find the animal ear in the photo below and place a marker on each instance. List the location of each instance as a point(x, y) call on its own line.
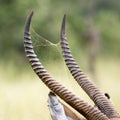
point(56, 108)
point(59, 110)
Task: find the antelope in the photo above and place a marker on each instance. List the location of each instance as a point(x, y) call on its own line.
point(104, 110)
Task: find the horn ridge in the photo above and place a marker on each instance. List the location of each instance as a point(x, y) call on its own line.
point(81, 106)
point(90, 88)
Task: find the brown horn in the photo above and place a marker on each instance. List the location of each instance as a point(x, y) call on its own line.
point(82, 107)
point(93, 92)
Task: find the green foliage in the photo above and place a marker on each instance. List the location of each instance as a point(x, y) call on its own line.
point(108, 24)
point(47, 21)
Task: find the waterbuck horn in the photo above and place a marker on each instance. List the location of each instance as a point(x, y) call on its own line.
point(90, 88)
point(88, 111)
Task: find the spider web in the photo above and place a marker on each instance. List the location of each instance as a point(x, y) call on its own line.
point(39, 40)
point(51, 56)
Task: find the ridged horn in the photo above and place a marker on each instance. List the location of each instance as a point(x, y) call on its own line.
point(90, 88)
point(79, 105)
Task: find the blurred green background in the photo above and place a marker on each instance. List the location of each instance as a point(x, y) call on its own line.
point(93, 30)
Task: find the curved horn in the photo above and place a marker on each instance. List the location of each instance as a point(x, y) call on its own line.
point(82, 107)
point(93, 92)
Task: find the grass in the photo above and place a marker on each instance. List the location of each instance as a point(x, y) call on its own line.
point(25, 98)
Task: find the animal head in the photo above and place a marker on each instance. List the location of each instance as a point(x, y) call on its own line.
point(104, 110)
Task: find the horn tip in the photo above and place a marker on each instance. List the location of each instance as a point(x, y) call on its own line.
point(63, 26)
point(64, 16)
point(27, 25)
point(31, 13)
point(64, 19)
